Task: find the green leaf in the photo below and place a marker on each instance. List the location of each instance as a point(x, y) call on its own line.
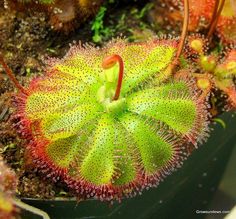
point(98, 166)
point(64, 151)
point(66, 124)
point(154, 150)
point(175, 108)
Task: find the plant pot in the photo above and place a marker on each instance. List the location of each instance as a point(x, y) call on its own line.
point(189, 189)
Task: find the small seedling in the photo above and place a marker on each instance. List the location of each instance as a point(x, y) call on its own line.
point(98, 28)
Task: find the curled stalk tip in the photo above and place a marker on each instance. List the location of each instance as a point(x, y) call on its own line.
point(109, 62)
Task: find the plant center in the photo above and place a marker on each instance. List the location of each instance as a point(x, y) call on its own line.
point(109, 93)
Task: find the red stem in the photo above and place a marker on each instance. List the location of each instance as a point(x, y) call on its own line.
point(214, 13)
point(109, 62)
point(184, 30)
point(11, 75)
point(215, 20)
point(183, 34)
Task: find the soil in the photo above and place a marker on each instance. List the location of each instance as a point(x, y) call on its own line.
point(25, 38)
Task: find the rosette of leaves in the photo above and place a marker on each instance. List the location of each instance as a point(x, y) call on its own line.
point(108, 121)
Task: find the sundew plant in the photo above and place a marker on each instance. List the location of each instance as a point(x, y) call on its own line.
point(112, 121)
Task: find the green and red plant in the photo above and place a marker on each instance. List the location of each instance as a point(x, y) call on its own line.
point(9, 205)
point(213, 72)
point(113, 121)
point(226, 26)
point(8, 183)
point(107, 124)
point(216, 16)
